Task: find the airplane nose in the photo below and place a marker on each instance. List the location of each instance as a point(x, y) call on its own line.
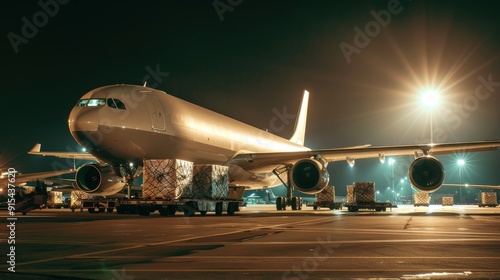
point(83, 119)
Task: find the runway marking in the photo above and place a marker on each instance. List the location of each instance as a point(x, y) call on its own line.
point(172, 241)
point(280, 270)
point(289, 257)
point(395, 231)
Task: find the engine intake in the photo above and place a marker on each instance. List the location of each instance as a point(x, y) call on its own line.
point(99, 179)
point(426, 174)
point(309, 176)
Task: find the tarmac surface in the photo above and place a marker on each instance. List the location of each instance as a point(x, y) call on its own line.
point(436, 242)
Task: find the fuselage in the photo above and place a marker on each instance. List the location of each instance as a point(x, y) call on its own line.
point(124, 124)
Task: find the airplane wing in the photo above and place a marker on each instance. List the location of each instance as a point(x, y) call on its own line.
point(265, 162)
point(73, 155)
point(21, 179)
point(473, 186)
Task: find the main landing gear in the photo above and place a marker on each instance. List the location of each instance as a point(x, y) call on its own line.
point(295, 202)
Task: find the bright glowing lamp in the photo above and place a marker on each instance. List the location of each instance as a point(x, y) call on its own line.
point(430, 98)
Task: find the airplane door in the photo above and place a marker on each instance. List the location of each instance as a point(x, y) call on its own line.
point(157, 116)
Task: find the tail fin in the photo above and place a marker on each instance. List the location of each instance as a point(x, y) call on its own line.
point(299, 133)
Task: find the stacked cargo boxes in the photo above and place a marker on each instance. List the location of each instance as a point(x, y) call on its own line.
point(488, 199)
point(350, 194)
point(211, 182)
point(166, 178)
point(447, 201)
point(326, 195)
point(55, 199)
point(421, 199)
point(364, 192)
point(77, 197)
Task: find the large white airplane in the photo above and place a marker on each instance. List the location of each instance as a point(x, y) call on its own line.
point(122, 125)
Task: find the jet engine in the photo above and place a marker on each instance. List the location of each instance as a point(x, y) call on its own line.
point(98, 179)
point(309, 176)
point(426, 174)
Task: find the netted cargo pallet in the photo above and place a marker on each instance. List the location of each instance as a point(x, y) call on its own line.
point(350, 194)
point(364, 192)
point(210, 182)
point(166, 178)
point(77, 197)
point(327, 194)
point(421, 198)
point(447, 201)
point(55, 198)
point(488, 199)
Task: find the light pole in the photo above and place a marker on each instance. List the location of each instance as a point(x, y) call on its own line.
point(430, 98)
point(461, 164)
point(391, 163)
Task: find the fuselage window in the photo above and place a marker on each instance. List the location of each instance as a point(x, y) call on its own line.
point(111, 103)
point(119, 104)
point(94, 102)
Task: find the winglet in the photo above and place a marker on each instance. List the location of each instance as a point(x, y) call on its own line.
point(36, 148)
point(299, 133)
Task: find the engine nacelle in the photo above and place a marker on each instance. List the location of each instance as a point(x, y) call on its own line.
point(426, 174)
point(309, 176)
point(98, 179)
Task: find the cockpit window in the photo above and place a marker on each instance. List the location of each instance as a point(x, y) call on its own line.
point(82, 103)
point(94, 102)
point(111, 103)
point(119, 104)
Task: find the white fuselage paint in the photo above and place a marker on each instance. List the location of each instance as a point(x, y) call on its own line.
point(156, 125)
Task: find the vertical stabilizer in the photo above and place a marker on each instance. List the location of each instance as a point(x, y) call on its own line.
point(300, 125)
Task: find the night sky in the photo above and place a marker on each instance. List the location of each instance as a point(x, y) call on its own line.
point(364, 63)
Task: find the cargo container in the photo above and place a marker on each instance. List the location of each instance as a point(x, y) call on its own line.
point(447, 201)
point(350, 194)
point(54, 200)
point(364, 192)
point(177, 185)
point(488, 199)
point(421, 199)
point(325, 199)
point(361, 195)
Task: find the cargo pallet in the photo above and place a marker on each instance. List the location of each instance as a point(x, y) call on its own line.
point(168, 207)
point(421, 204)
point(377, 206)
point(96, 205)
point(487, 205)
point(316, 205)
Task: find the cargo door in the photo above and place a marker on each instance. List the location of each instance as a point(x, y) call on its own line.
point(157, 116)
